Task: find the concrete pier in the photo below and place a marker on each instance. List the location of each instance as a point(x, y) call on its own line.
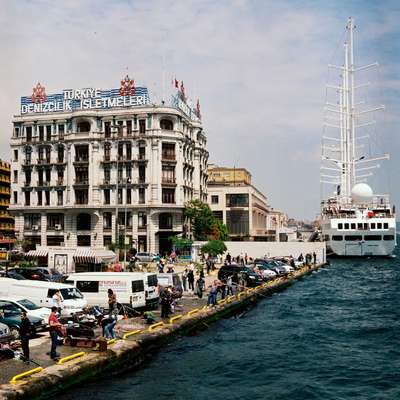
point(129, 353)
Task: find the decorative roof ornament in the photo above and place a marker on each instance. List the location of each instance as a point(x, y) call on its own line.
point(127, 87)
point(198, 111)
point(38, 94)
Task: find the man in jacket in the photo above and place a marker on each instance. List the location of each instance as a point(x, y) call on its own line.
point(25, 332)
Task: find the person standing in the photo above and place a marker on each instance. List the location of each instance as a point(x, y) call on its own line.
point(228, 258)
point(200, 287)
point(58, 301)
point(25, 332)
point(208, 264)
point(229, 286)
point(314, 257)
point(112, 302)
point(190, 278)
point(109, 328)
point(54, 327)
point(184, 279)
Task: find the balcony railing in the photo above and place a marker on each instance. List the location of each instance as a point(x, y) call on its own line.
point(168, 180)
point(81, 181)
point(42, 161)
point(168, 157)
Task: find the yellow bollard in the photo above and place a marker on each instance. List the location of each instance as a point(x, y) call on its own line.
point(196, 310)
point(173, 319)
point(156, 325)
point(205, 308)
point(24, 374)
point(131, 333)
point(222, 301)
point(241, 294)
point(71, 357)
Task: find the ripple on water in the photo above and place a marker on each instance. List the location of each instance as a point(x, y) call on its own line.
point(331, 336)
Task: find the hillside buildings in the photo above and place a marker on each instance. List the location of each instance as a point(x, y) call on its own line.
point(93, 167)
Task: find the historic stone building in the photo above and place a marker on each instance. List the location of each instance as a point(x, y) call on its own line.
point(92, 165)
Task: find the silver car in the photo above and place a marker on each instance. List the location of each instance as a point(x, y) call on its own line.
point(5, 334)
point(144, 257)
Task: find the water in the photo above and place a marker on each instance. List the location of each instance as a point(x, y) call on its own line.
point(333, 335)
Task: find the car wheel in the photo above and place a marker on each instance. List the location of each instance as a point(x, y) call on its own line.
point(14, 330)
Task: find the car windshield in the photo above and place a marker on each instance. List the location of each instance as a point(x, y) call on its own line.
point(246, 269)
point(71, 293)
point(28, 304)
point(9, 309)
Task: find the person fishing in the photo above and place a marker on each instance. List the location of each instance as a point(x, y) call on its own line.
point(200, 283)
point(54, 328)
point(112, 302)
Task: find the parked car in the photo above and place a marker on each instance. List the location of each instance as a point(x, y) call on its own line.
point(11, 316)
point(273, 265)
point(267, 272)
point(145, 257)
point(32, 274)
point(13, 274)
point(50, 274)
point(28, 306)
point(252, 279)
point(5, 334)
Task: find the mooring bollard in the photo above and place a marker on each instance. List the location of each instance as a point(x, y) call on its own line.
point(131, 333)
point(71, 357)
point(155, 326)
point(173, 319)
point(196, 310)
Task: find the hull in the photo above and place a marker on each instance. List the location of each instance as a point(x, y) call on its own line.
point(361, 243)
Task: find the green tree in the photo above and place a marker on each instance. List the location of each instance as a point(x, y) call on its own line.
point(204, 224)
point(214, 248)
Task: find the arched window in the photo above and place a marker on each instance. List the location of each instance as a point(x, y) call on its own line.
point(165, 221)
point(166, 124)
point(83, 222)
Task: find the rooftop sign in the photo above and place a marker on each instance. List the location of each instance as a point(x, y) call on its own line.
point(84, 99)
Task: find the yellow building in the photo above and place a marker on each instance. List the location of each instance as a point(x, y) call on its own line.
point(6, 220)
point(228, 176)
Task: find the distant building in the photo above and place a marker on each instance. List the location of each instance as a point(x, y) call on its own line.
point(236, 202)
point(6, 220)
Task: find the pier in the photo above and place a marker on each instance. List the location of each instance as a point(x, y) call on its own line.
point(134, 346)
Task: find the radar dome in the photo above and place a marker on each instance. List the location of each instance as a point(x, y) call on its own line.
point(361, 193)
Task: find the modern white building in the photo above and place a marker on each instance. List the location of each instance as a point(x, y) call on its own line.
point(91, 166)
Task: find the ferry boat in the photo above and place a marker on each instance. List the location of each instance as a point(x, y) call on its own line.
point(354, 221)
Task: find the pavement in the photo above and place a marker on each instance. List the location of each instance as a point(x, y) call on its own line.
point(41, 344)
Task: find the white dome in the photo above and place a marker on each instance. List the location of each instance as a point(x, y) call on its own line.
point(361, 193)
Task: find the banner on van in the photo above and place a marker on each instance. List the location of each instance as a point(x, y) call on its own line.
point(116, 286)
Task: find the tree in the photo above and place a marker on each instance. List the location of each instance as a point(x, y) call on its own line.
point(204, 224)
point(214, 248)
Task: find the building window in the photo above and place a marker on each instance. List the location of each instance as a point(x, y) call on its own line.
point(81, 153)
point(83, 222)
point(142, 153)
point(107, 220)
point(128, 196)
point(32, 222)
point(15, 195)
point(107, 174)
point(48, 133)
point(353, 226)
point(168, 174)
point(373, 225)
point(83, 240)
point(168, 151)
point(372, 237)
point(129, 127)
point(15, 155)
point(107, 129)
point(129, 151)
point(106, 196)
point(388, 237)
point(237, 200)
point(142, 195)
point(142, 173)
point(61, 130)
point(379, 225)
point(60, 197)
point(15, 176)
point(55, 240)
point(346, 226)
point(41, 133)
point(39, 197)
point(385, 225)
point(55, 222)
point(142, 126)
point(125, 218)
point(119, 196)
point(168, 196)
point(337, 238)
point(81, 196)
point(60, 154)
point(28, 131)
point(47, 198)
point(214, 199)
point(107, 241)
point(237, 222)
point(27, 198)
point(83, 127)
point(142, 220)
point(165, 221)
point(166, 124)
point(219, 215)
point(353, 238)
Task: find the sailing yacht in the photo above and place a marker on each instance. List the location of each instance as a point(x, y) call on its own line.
point(354, 220)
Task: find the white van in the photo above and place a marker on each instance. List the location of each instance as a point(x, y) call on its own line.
point(41, 293)
point(129, 287)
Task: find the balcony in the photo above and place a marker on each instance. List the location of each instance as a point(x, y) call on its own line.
point(60, 161)
point(60, 182)
point(27, 162)
point(43, 161)
point(168, 181)
point(168, 157)
point(27, 183)
point(81, 182)
point(43, 183)
point(81, 160)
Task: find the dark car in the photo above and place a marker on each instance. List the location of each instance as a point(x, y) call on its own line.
point(10, 315)
point(252, 279)
point(11, 274)
point(33, 274)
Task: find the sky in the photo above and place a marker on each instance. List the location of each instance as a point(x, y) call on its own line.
point(258, 67)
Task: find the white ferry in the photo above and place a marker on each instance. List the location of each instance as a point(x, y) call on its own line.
point(354, 221)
